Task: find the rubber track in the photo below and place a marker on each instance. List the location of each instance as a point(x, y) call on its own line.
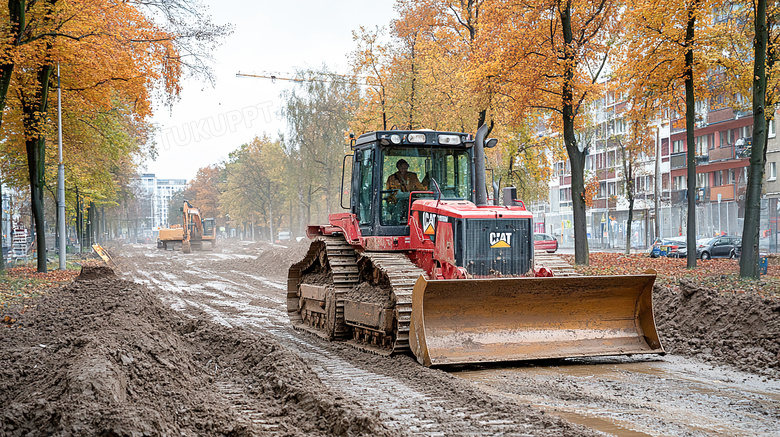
point(342, 261)
point(402, 274)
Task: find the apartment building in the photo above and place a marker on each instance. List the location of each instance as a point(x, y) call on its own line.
point(156, 197)
point(723, 145)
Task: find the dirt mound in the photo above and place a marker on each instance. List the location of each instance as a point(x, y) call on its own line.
point(92, 272)
point(272, 260)
point(106, 357)
point(737, 329)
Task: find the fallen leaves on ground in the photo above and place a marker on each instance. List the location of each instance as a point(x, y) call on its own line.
point(21, 283)
point(718, 274)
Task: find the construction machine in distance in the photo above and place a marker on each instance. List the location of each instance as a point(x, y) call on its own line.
point(429, 267)
point(193, 231)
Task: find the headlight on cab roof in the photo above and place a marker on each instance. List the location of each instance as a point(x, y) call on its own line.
point(450, 140)
point(416, 138)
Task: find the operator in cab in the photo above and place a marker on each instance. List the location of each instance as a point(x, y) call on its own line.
point(403, 179)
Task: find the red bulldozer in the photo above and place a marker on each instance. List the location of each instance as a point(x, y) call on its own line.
point(422, 264)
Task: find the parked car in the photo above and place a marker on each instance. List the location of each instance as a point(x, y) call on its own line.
point(719, 247)
point(545, 242)
point(669, 247)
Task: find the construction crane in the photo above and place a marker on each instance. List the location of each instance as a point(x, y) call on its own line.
point(274, 78)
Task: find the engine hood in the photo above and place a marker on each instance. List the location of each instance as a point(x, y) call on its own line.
point(465, 209)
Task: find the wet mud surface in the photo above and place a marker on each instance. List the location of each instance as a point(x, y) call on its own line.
point(199, 344)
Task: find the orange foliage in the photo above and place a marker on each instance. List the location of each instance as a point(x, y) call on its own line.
point(718, 274)
point(113, 59)
point(204, 191)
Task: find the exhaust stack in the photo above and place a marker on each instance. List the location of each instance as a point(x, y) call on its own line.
point(480, 190)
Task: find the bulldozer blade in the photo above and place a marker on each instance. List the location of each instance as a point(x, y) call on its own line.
point(516, 319)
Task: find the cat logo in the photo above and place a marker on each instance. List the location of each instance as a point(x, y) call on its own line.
point(429, 223)
point(500, 239)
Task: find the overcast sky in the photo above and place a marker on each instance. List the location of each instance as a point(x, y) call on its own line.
point(270, 37)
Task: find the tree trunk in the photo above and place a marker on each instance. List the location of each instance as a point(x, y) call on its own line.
point(576, 156)
point(35, 202)
point(628, 180)
point(748, 263)
point(34, 108)
point(690, 117)
point(90, 224)
point(657, 187)
point(628, 224)
point(80, 223)
point(15, 22)
point(2, 229)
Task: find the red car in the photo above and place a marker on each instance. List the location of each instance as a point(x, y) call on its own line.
point(545, 242)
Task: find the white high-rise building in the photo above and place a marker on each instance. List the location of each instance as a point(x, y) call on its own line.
point(159, 193)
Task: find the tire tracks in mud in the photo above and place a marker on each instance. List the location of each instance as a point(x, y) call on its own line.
point(619, 396)
point(408, 408)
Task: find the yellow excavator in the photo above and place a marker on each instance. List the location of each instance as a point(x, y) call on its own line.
point(424, 265)
point(191, 233)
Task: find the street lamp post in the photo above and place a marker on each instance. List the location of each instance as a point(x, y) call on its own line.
point(60, 175)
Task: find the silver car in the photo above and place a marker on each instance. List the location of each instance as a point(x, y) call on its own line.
point(719, 247)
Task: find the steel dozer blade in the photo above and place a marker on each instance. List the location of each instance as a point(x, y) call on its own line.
point(515, 319)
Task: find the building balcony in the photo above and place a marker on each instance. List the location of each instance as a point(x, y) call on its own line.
point(726, 192)
point(678, 161)
point(678, 197)
point(721, 153)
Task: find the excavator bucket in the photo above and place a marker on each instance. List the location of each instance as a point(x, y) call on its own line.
point(514, 319)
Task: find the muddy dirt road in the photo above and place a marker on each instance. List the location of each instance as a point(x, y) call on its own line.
point(243, 286)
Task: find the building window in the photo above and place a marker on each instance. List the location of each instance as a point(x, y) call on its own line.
point(679, 183)
point(701, 145)
point(702, 180)
point(771, 128)
point(678, 146)
point(565, 195)
point(772, 171)
point(724, 138)
point(619, 126)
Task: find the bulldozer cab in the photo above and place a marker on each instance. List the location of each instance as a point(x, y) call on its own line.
point(393, 169)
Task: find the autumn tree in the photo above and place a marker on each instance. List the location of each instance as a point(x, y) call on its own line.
point(427, 72)
point(370, 61)
point(756, 22)
point(668, 54)
point(204, 191)
point(256, 184)
point(633, 146)
point(318, 115)
point(549, 56)
point(110, 52)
